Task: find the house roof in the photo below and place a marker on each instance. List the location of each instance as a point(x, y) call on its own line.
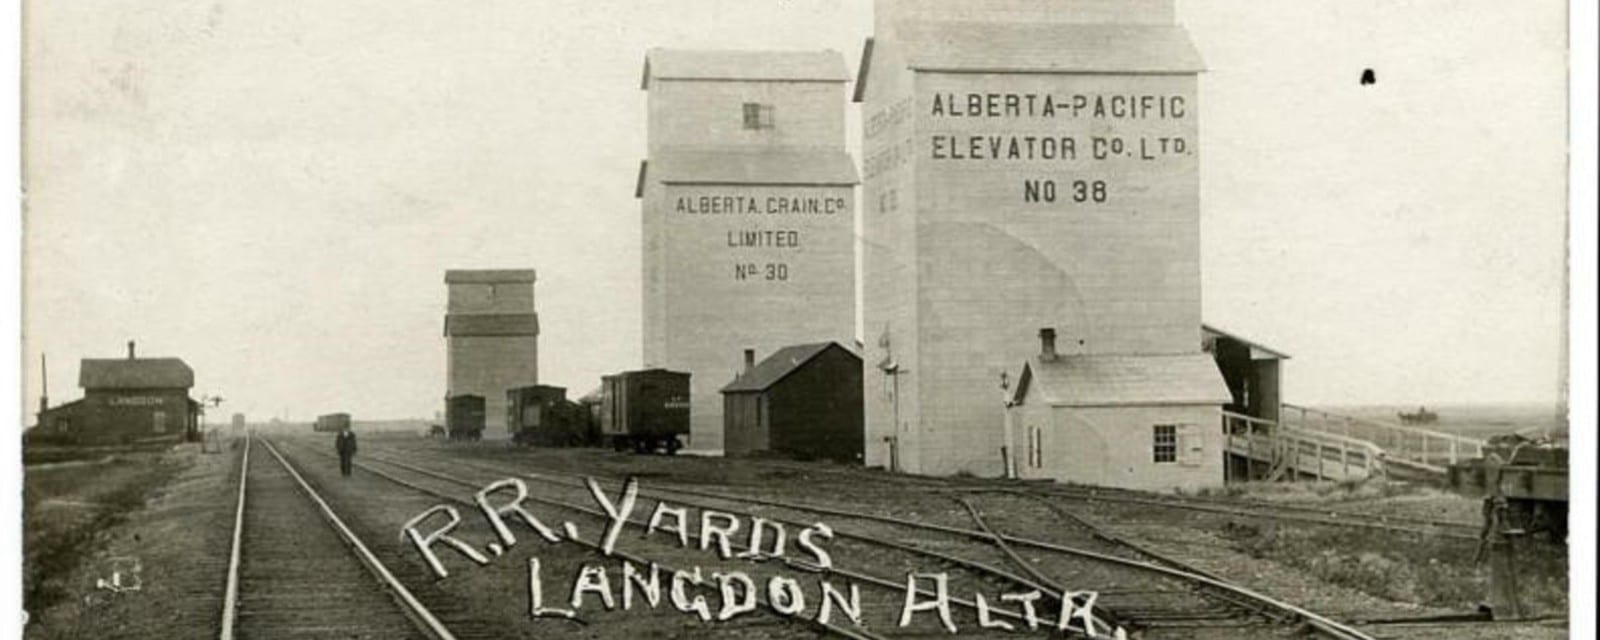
point(135, 373)
point(491, 324)
point(1041, 48)
point(488, 276)
point(708, 65)
point(808, 168)
point(778, 366)
point(1257, 351)
point(1120, 380)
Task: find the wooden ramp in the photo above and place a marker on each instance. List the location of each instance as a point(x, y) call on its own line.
point(1320, 445)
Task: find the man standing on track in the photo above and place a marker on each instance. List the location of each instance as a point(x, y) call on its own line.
point(345, 444)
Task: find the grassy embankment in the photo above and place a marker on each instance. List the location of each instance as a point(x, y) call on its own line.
point(68, 510)
point(1423, 570)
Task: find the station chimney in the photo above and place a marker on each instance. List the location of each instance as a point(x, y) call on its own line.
point(130, 349)
point(1047, 344)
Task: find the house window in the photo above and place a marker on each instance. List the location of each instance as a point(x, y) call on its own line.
point(1166, 443)
point(1036, 450)
point(159, 419)
point(757, 116)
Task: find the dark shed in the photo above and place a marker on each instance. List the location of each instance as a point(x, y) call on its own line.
point(803, 401)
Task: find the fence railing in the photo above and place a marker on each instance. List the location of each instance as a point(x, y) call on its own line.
point(1291, 450)
point(1427, 447)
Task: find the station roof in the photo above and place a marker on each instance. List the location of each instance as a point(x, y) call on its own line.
point(801, 168)
point(1257, 351)
point(778, 366)
point(1123, 380)
point(488, 276)
point(710, 65)
point(491, 324)
point(135, 373)
point(1001, 47)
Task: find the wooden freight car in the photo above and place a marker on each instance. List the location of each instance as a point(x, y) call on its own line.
point(645, 410)
point(464, 417)
point(542, 415)
point(333, 422)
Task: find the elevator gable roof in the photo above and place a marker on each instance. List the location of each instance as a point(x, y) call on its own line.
point(1123, 380)
point(710, 65)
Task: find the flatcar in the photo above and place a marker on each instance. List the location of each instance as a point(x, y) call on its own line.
point(1529, 474)
point(332, 422)
point(542, 415)
point(464, 417)
point(645, 410)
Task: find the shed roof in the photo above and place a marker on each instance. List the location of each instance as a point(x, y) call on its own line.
point(1041, 48)
point(1257, 351)
point(1120, 380)
point(801, 168)
point(779, 365)
point(488, 276)
point(135, 373)
point(491, 324)
point(711, 65)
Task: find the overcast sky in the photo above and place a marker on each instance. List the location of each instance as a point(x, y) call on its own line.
point(272, 190)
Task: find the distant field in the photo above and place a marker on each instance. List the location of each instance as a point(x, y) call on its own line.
point(1478, 421)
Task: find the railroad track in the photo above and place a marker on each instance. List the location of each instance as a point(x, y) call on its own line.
point(297, 571)
point(668, 557)
point(1249, 509)
point(1156, 596)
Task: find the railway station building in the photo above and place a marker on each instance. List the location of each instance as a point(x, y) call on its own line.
point(747, 200)
point(1026, 164)
point(128, 400)
point(492, 334)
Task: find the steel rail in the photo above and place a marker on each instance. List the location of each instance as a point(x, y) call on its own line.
point(414, 609)
point(1314, 516)
point(230, 594)
point(1045, 587)
point(1054, 593)
point(1112, 620)
point(761, 599)
point(1322, 624)
point(964, 563)
point(1253, 508)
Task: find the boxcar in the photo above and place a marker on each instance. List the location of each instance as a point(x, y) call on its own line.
point(332, 422)
point(464, 417)
point(542, 415)
point(645, 410)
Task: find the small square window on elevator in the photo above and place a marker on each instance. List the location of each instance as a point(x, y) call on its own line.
point(758, 116)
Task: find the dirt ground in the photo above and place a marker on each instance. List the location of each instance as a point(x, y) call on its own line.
point(170, 513)
point(1350, 574)
point(167, 533)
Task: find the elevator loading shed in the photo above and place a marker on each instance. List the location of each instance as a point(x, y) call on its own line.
point(1025, 164)
point(493, 336)
point(803, 401)
point(1131, 421)
point(125, 401)
point(748, 213)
